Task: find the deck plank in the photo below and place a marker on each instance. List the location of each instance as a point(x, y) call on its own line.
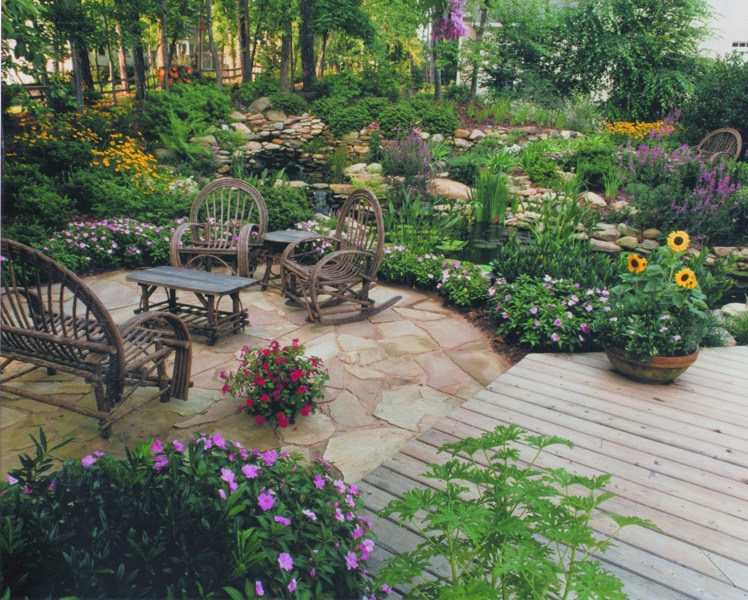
point(678, 455)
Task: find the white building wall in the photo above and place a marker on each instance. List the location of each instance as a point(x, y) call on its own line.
point(730, 27)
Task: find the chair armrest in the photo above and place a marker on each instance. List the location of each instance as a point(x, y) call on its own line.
point(176, 243)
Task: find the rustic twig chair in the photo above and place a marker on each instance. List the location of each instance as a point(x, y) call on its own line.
point(227, 221)
point(51, 319)
point(722, 143)
point(332, 276)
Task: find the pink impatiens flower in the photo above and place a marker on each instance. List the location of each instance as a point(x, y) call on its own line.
point(160, 462)
point(178, 446)
point(250, 471)
point(292, 585)
point(266, 500)
point(258, 589)
point(283, 521)
point(285, 561)
point(351, 560)
point(88, 460)
point(270, 457)
point(319, 482)
point(157, 447)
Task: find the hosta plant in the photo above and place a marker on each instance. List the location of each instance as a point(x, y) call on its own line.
point(499, 525)
point(182, 519)
point(276, 383)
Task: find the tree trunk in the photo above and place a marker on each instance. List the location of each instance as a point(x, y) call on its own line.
point(326, 39)
point(164, 43)
point(437, 74)
point(306, 43)
point(212, 42)
point(75, 56)
point(479, 31)
point(122, 59)
point(286, 74)
point(244, 47)
point(88, 81)
point(139, 63)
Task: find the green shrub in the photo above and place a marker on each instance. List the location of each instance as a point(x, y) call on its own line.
point(396, 117)
point(181, 520)
point(263, 85)
point(465, 167)
point(31, 195)
point(718, 100)
point(343, 85)
point(291, 104)
point(540, 169)
point(382, 81)
point(592, 158)
point(440, 118)
point(501, 527)
point(547, 314)
point(345, 119)
point(559, 258)
point(374, 105)
point(190, 102)
point(737, 325)
point(286, 206)
point(325, 107)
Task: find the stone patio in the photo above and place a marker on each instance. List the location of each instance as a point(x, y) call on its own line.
point(391, 378)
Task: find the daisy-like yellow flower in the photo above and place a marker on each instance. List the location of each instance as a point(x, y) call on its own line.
point(686, 278)
point(678, 241)
point(636, 263)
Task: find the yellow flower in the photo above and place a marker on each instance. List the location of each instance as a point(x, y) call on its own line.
point(636, 263)
point(686, 278)
point(678, 241)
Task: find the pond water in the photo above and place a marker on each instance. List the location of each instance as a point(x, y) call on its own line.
point(483, 241)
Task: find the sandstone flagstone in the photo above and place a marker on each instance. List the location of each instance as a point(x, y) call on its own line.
point(408, 344)
point(348, 411)
point(359, 452)
point(308, 430)
point(451, 333)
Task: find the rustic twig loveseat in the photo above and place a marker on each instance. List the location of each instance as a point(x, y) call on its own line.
point(51, 319)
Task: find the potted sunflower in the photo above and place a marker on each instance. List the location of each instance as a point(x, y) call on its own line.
point(657, 315)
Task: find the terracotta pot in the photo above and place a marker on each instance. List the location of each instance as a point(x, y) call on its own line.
point(659, 369)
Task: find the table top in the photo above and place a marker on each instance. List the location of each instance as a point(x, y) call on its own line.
point(191, 280)
point(286, 236)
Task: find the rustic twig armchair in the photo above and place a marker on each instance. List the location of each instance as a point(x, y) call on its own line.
point(722, 143)
point(227, 222)
point(332, 276)
point(51, 319)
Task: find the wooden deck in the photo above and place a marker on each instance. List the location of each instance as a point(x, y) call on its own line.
point(678, 455)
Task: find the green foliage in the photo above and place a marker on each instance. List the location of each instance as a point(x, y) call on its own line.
point(540, 169)
point(338, 85)
point(502, 162)
point(458, 283)
point(592, 158)
point(286, 206)
point(176, 134)
point(409, 157)
point(345, 119)
point(737, 325)
point(492, 198)
point(262, 85)
point(373, 105)
point(31, 195)
point(325, 107)
point(505, 526)
point(559, 258)
point(546, 314)
point(465, 168)
point(648, 46)
point(180, 519)
point(396, 117)
point(415, 225)
point(718, 99)
point(336, 164)
point(195, 103)
point(291, 104)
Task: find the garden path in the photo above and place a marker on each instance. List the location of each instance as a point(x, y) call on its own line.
point(678, 455)
point(391, 378)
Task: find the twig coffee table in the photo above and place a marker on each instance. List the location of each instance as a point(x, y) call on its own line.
point(209, 288)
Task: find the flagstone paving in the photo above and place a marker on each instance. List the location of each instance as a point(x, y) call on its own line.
point(391, 378)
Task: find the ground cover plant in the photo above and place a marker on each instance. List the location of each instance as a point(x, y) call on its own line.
point(195, 518)
point(505, 526)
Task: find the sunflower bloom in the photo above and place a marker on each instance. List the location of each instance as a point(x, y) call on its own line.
point(686, 278)
point(678, 241)
point(636, 263)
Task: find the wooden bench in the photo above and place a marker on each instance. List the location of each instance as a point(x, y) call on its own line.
point(51, 319)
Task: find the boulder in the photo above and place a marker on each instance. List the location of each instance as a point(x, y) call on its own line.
point(277, 116)
point(356, 169)
point(242, 130)
point(374, 168)
point(253, 146)
point(206, 140)
point(593, 198)
point(476, 134)
point(734, 309)
point(163, 154)
point(460, 143)
point(651, 233)
point(605, 232)
point(628, 242)
point(260, 105)
point(446, 188)
point(602, 246)
point(462, 133)
point(725, 251)
point(627, 230)
point(350, 136)
point(650, 245)
point(437, 138)
point(237, 116)
point(342, 189)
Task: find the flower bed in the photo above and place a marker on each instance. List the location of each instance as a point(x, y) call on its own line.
point(182, 519)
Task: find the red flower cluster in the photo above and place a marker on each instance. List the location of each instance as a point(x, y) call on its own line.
point(277, 382)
